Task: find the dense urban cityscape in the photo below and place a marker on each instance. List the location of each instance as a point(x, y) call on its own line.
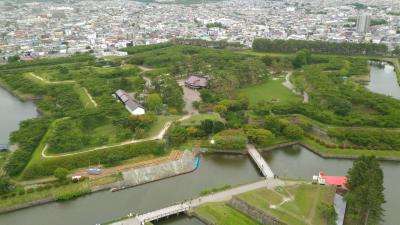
point(32, 29)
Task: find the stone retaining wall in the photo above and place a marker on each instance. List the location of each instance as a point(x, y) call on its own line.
point(253, 212)
point(148, 174)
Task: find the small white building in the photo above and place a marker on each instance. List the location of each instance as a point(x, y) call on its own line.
point(130, 104)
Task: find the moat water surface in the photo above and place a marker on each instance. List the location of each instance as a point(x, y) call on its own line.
point(383, 80)
point(13, 111)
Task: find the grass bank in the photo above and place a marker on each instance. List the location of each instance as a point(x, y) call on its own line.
point(62, 193)
point(271, 90)
point(349, 153)
point(297, 205)
point(222, 214)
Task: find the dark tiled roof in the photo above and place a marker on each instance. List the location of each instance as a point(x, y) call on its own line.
point(129, 102)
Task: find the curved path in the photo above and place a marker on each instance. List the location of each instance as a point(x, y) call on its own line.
point(159, 136)
point(291, 87)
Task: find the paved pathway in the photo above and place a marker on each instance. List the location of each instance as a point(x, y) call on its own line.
point(217, 197)
point(259, 160)
point(289, 85)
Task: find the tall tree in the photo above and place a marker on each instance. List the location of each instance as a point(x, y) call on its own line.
point(365, 196)
point(154, 102)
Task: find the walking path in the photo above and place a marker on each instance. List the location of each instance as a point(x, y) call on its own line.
point(291, 87)
point(159, 136)
point(90, 97)
point(187, 205)
point(64, 82)
point(51, 82)
point(259, 160)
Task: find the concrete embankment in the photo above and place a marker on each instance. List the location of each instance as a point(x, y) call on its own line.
point(164, 170)
point(255, 213)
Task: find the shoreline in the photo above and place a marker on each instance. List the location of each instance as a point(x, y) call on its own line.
point(108, 186)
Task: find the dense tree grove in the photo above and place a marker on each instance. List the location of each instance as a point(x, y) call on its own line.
point(334, 99)
point(48, 61)
point(229, 71)
point(230, 140)
point(303, 57)
point(86, 125)
point(365, 196)
point(170, 91)
point(367, 137)
point(6, 185)
point(27, 143)
point(344, 48)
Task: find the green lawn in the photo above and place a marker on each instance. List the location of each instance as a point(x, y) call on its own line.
point(271, 90)
point(221, 214)
point(161, 121)
point(300, 207)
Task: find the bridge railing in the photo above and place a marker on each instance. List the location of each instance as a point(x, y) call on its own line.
point(148, 217)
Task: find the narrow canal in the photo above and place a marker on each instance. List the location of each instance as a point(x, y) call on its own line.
point(13, 111)
point(383, 80)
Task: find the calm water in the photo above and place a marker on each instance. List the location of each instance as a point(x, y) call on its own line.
point(13, 111)
point(384, 81)
point(298, 162)
point(213, 171)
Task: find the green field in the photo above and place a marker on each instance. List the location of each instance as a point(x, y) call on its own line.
point(159, 125)
point(295, 205)
point(271, 90)
point(221, 214)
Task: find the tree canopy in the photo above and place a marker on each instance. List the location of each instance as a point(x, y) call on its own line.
point(365, 196)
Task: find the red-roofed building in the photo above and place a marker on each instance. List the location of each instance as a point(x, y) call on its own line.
point(337, 181)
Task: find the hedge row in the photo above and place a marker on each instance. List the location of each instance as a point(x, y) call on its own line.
point(328, 144)
point(46, 166)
